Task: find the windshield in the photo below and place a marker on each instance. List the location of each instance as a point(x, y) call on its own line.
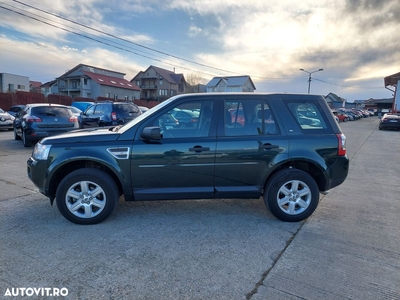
point(143, 116)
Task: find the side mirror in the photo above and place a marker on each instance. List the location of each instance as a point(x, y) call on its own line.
point(151, 133)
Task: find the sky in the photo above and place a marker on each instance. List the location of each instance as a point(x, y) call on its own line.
point(353, 41)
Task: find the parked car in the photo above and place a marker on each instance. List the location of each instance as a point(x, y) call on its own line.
point(143, 109)
point(77, 113)
point(36, 121)
point(390, 121)
point(340, 115)
point(14, 109)
point(273, 155)
point(81, 105)
point(6, 120)
point(186, 117)
point(109, 113)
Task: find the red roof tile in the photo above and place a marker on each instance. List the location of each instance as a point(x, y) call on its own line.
point(112, 81)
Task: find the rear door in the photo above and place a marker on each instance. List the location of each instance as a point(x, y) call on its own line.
point(250, 144)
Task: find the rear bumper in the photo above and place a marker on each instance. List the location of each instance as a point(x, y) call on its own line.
point(337, 173)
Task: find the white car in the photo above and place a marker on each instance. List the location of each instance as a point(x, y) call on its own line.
point(6, 120)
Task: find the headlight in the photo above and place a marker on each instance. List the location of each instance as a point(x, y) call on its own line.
point(41, 152)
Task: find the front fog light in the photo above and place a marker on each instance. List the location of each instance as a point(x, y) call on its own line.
point(41, 152)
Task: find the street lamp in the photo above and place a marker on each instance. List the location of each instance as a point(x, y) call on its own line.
point(309, 76)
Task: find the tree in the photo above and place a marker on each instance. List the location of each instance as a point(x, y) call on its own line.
point(194, 82)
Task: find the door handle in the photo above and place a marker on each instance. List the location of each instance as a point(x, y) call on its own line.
point(199, 149)
point(268, 146)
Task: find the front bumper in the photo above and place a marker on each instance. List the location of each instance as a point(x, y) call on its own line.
point(37, 173)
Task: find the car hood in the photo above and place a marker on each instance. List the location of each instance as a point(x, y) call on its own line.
point(6, 116)
point(103, 134)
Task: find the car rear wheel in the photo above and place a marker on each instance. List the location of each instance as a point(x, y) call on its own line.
point(25, 141)
point(291, 195)
point(16, 136)
point(87, 196)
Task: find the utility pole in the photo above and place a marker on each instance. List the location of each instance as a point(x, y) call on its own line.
point(309, 76)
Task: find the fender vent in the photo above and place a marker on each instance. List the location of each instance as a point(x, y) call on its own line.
point(119, 153)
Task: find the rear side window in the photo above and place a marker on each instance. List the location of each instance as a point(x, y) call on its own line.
point(248, 117)
point(125, 108)
point(53, 111)
point(309, 116)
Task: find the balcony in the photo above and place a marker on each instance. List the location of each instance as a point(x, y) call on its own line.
point(76, 87)
point(148, 87)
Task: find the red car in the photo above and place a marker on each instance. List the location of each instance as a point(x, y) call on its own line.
point(341, 116)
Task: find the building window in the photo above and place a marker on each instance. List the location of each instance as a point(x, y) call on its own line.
point(161, 81)
point(108, 95)
point(85, 81)
point(115, 96)
point(126, 97)
point(163, 92)
point(138, 82)
point(21, 87)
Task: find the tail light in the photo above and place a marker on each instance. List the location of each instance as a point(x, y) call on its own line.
point(114, 116)
point(73, 119)
point(341, 144)
point(32, 119)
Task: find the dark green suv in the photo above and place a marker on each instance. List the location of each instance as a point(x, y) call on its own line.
point(286, 148)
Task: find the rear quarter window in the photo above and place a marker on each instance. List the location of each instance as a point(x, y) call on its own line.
point(309, 116)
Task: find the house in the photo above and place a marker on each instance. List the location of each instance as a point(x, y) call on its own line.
point(334, 101)
point(231, 84)
point(49, 87)
point(85, 81)
point(34, 86)
point(159, 84)
point(10, 83)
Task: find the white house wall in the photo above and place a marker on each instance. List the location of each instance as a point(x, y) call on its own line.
point(13, 83)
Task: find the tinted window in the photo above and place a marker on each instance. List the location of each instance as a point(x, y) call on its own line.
point(248, 118)
point(125, 108)
point(90, 110)
point(199, 125)
point(51, 111)
point(308, 115)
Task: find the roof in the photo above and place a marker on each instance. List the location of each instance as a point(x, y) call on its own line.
point(230, 81)
point(35, 84)
point(392, 79)
point(168, 75)
point(87, 66)
point(112, 81)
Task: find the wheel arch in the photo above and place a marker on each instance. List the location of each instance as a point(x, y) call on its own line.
point(64, 169)
point(315, 171)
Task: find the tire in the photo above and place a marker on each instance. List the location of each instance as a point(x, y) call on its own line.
point(25, 141)
point(16, 136)
point(291, 195)
point(87, 196)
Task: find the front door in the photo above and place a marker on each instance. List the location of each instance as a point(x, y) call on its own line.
point(181, 164)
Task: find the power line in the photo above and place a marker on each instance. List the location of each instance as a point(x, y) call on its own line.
point(347, 86)
point(122, 39)
point(97, 40)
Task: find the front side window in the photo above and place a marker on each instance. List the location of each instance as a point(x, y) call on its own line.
point(186, 120)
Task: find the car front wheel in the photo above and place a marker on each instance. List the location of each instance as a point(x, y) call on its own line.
point(87, 196)
point(291, 195)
